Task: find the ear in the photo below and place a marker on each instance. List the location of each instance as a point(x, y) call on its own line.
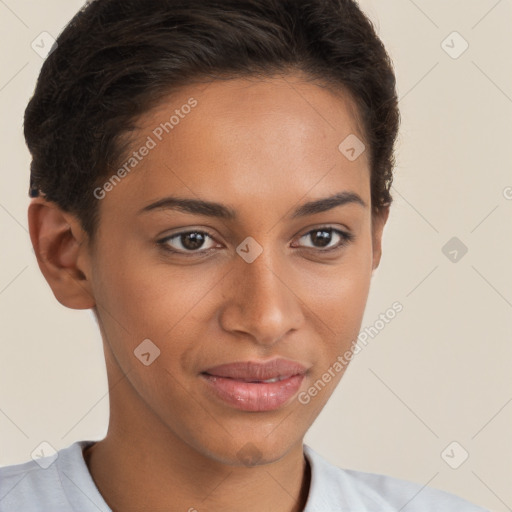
point(62, 252)
point(378, 222)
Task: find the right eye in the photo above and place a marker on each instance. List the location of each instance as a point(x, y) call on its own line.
point(188, 242)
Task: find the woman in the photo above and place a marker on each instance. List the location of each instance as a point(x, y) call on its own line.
point(212, 180)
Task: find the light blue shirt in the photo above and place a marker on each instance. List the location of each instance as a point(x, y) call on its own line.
point(62, 483)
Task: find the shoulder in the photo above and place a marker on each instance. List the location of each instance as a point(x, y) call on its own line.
point(20, 483)
point(44, 483)
point(333, 488)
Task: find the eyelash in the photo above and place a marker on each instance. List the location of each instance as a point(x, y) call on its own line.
point(346, 238)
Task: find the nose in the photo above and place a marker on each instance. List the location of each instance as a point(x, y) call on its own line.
point(261, 302)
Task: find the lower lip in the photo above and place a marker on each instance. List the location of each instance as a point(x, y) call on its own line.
point(251, 396)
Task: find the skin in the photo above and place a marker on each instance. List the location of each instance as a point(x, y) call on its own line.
point(261, 147)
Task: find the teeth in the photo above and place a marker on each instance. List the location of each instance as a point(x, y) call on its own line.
point(275, 379)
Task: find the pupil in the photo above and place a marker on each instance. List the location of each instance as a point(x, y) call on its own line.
point(197, 240)
point(324, 239)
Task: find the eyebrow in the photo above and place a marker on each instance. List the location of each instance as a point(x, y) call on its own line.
point(211, 209)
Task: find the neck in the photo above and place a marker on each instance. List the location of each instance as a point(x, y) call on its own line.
point(133, 480)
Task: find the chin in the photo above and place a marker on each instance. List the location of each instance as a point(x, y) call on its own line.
point(244, 451)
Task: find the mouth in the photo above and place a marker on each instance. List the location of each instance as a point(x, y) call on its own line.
point(255, 386)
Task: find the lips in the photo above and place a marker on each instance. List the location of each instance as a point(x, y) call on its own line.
point(255, 386)
point(252, 371)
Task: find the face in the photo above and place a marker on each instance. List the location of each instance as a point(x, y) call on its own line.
point(269, 283)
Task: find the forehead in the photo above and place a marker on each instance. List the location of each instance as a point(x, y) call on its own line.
point(245, 138)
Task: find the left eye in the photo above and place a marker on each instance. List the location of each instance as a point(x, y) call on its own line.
point(192, 241)
point(324, 237)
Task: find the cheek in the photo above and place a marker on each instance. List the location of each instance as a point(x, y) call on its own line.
point(341, 300)
point(137, 285)
point(141, 296)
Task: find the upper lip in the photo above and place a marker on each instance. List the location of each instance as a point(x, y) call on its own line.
point(257, 371)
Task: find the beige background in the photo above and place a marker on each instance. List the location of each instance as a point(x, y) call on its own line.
point(439, 372)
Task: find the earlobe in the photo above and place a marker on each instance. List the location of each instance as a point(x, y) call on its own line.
point(60, 247)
